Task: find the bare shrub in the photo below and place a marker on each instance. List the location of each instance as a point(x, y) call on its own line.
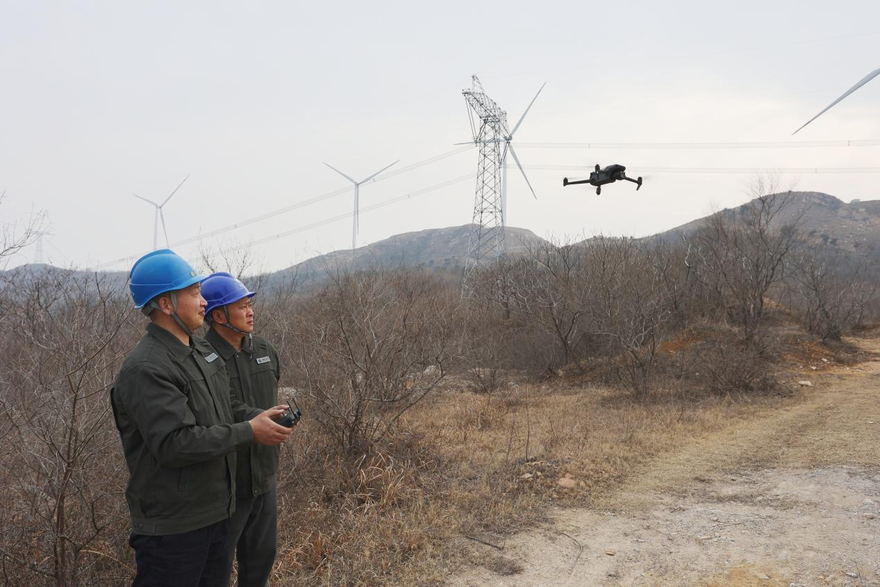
point(677, 271)
point(743, 254)
point(732, 366)
point(630, 305)
point(549, 289)
point(501, 334)
point(60, 469)
point(485, 352)
point(370, 346)
point(830, 298)
point(16, 236)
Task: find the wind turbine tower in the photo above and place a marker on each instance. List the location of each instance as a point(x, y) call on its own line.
point(490, 130)
point(356, 223)
point(160, 215)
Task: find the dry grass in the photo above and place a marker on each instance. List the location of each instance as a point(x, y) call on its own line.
point(466, 469)
point(474, 467)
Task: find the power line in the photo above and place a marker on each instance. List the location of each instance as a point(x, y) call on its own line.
point(753, 170)
point(733, 145)
point(375, 206)
point(323, 222)
point(314, 200)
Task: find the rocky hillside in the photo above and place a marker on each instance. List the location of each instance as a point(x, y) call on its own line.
point(439, 249)
point(825, 220)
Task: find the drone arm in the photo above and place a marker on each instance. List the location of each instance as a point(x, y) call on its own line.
point(567, 181)
point(638, 181)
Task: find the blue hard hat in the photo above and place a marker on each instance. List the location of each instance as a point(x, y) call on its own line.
point(220, 289)
point(159, 272)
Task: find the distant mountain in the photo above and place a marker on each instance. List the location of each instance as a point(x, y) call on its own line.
point(853, 229)
point(36, 271)
point(826, 222)
point(438, 249)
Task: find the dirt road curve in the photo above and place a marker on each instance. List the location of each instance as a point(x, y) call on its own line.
point(792, 499)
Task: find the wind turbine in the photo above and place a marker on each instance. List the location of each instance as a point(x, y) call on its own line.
point(357, 186)
point(159, 215)
point(864, 80)
point(508, 146)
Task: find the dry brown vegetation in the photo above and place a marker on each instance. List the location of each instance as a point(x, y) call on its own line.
point(432, 421)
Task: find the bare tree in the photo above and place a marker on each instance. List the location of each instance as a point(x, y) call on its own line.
point(743, 252)
point(831, 298)
point(631, 303)
point(369, 347)
point(58, 460)
point(549, 287)
point(238, 259)
point(15, 236)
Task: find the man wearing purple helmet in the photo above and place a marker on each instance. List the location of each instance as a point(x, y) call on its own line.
point(172, 407)
point(254, 371)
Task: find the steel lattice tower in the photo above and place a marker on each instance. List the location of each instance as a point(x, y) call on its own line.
point(490, 130)
point(489, 127)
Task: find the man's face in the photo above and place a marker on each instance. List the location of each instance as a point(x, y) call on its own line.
point(241, 315)
point(191, 306)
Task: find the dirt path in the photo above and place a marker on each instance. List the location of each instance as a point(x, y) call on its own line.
point(791, 499)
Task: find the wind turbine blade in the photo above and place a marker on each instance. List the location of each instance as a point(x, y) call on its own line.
point(378, 172)
point(174, 192)
point(146, 200)
point(156, 227)
point(165, 230)
point(865, 80)
point(340, 173)
point(527, 111)
point(515, 158)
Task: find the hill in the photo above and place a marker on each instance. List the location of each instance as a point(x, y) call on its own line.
point(853, 229)
point(438, 249)
point(826, 222)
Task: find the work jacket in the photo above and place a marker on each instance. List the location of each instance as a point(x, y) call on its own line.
point(253, 375)
point(172, 406)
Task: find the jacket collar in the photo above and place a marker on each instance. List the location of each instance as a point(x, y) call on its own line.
point(220, 344)
point(179, 350)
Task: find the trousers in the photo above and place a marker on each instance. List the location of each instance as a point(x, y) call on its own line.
point(198, 558)
point(253, 537)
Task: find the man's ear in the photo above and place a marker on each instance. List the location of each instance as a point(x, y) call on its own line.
point(218, 316)
point(165, 305)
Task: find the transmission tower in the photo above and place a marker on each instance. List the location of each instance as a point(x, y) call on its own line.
point(39, 258)
point(489, 127)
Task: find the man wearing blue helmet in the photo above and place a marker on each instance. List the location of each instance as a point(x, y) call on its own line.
point(254, 371)
point(172, 407)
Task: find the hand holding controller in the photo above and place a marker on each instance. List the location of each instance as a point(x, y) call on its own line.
point(291, 416)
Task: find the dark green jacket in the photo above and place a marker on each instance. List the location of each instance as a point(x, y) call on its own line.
point(172, 407)
point(254, 379)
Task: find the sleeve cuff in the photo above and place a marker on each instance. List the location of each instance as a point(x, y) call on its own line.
point(243, 433)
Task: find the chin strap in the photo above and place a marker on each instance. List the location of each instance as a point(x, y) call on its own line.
point(150, 306)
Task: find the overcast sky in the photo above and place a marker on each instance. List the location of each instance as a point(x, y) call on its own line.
point(104, 99)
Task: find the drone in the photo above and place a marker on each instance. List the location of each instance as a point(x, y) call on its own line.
point(600, 177)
